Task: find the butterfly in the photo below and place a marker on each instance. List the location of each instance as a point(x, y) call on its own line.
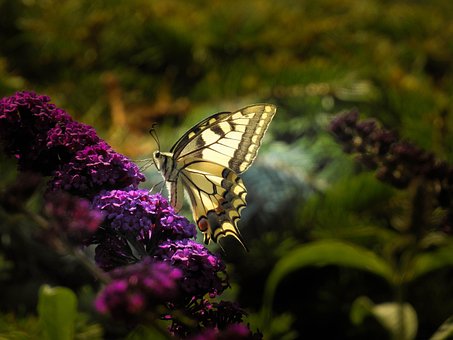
point(206, 163)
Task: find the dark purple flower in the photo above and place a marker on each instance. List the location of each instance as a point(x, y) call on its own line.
point(95, 168)
point(139, 211)
point(25, 119)
point(204, 272)
point(138, 289)
point(237, 331)
point(73, 217)
point(139, 219)
point(70, 137)
point(397, 162)
point(112, 250)
point(217, 317)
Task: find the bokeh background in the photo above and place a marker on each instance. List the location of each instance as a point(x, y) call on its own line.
point(121, 66)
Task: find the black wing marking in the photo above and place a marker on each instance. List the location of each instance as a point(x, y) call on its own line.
point(229, 139)
point(217, 195)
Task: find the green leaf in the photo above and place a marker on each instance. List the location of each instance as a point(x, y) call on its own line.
point(323, 253)
point(445, 330)
point(57, 310)
point(148, 332)
point(430, 261)
point(389, 315)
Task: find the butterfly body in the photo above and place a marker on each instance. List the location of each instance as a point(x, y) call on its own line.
point(206, 163)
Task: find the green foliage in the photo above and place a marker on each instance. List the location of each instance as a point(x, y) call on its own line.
point(143, 333)
point(322, 253)
point(58, 318)
point(309, 205)
point(57, 311)
point(396, 318)
point(445, 331)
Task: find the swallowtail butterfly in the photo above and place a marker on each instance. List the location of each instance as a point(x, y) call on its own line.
point(207, 161)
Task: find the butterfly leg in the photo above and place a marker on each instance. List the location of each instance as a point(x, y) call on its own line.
point(155, 185)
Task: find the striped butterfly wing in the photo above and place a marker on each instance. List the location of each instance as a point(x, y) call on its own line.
point(217, 196)
point(229, 139)
point(210, 156)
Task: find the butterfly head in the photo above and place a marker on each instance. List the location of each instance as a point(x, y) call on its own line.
point(158, 159)
point(164, 163)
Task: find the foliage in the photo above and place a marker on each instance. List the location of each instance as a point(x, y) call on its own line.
point(315, 216)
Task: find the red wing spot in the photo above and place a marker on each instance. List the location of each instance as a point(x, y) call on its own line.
point(203, 224)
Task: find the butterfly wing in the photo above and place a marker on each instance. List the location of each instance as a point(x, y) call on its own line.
point(229, 139)
point(210, 156)
point(217, 196)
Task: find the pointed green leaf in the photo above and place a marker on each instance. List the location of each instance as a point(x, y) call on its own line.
point(322, 253)
point(57, 310)
point(430, 261)
point(148, 332)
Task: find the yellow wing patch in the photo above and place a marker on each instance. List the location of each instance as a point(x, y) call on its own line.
point(207, 161)
point(217, 196)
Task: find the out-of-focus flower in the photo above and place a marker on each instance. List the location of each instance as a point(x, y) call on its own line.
point(95, 168)
point(138, 289)
point(204, 272)
point(73, 217)
point(396, 161)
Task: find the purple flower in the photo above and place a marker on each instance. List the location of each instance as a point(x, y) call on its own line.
point(138, 289)
point(204, 272)
point(95, 168)
point(216, 317)
point(73, 217)
point(397, 162)
point(237, 331)
point(136, 218)
point(139, 211)
point(25, 120)
point(71, 137)
point(113, 251)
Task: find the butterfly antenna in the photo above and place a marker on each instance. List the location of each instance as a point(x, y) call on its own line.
point(154, 135)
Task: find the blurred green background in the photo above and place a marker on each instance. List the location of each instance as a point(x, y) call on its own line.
point(120, 66)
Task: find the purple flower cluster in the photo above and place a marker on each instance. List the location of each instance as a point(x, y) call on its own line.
point(139, 211)
point(235, 331)
point(47, 140)
point(95, 168)
point(25, 121)
point(217, 318)
point(155, 266)
point(136, 219)
point(137, 289)
point(140, 228)
point(397, 162)
point(202, 270)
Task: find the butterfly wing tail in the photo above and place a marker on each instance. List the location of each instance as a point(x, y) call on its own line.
point(218, 197)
